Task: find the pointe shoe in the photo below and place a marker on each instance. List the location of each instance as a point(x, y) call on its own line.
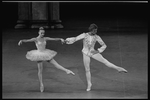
point(89, 87)
point(70, 72)
point(42, 88)
point(122, 70)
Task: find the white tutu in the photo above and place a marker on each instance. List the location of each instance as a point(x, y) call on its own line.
point(37, 55)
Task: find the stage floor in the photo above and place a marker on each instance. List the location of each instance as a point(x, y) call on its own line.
point(126, 47)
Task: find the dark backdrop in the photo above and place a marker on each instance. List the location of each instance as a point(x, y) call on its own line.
point(84, 10)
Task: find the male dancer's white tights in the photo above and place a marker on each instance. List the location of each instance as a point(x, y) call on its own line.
point(100, 58)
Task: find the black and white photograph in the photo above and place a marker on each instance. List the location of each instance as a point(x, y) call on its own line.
point(74, 49)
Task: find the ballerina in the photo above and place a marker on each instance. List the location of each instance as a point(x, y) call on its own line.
point(43, 54)
point(88, 51)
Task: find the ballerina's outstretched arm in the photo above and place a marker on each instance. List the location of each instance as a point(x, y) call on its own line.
point(55, 39)
point(26, 40)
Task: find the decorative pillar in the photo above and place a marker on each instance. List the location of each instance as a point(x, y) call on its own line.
point(37, 14)
point(23, 15)
point(54, 15)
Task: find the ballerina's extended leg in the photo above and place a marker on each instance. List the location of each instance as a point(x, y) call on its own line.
point(60, 67)
point(40, 68)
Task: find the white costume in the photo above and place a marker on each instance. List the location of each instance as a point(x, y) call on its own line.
point(41, 54)
point(88, 43)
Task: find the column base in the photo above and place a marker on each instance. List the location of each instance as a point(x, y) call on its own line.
point(38, 24)
point(21, 24)
point(56, 24)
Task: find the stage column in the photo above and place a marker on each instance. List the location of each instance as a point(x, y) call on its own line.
point(23, 15)
point(39, 15)
point(54, 15)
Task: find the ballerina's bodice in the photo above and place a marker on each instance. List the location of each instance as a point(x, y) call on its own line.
point(41, 45)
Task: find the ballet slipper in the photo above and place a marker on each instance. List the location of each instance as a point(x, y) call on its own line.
point(70, 72)
point(89, 87)
point(41, 88)
point(122, 70)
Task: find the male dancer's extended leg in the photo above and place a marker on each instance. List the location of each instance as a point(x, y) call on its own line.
point(61, 67)
point(40, 68)
point(86, 61)
point(100, 58)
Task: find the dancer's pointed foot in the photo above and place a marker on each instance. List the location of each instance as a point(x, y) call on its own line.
point(120, 69)
point(41, 88)
point(89, 87)
point(69, 72)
